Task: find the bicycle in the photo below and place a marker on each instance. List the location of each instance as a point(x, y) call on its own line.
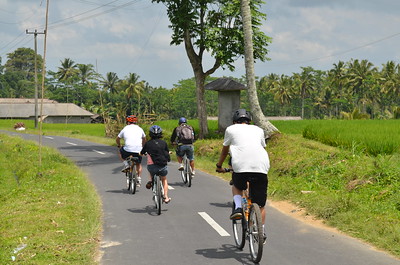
point(158, 192)
point(186, 173)
point(131, 174)
point(249, 226)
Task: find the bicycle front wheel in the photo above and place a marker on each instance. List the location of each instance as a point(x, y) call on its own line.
point(239, 230)
point(256, 237)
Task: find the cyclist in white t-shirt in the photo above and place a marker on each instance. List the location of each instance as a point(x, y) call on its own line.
point(134, 139)
point(250, 161)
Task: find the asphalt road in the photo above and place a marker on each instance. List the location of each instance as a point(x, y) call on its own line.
point(194, 228)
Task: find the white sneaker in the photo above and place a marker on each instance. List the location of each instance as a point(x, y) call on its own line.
point(139, 180)
point(180, 168)
point(125, 166)
point(193, 173)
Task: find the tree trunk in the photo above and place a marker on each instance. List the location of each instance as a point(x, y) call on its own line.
point(201, 105)
point(258, 116)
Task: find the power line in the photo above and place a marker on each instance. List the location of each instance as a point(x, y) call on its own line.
point(341, 52)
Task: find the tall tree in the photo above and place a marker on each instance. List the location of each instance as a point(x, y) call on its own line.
point(304, 83)
point(258, 115)
point(66, 73)
point(213, 26)
point(133, 87)
point(110, 82)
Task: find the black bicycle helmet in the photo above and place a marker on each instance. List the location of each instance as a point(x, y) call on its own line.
point(241, 115)
point(155, 131)
point(182, 120)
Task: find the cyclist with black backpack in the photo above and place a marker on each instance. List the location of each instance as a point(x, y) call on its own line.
point(183, 138)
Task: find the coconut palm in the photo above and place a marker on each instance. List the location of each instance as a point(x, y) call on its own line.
point(133, 87)
point(282, 90)
point(359, 76)
point(303, 84)
point(110, 83)
point(86, 73)
point(337, 80)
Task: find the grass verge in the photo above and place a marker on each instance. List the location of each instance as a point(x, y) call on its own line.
point(49, 215)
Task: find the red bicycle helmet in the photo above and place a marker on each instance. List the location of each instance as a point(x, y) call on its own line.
point(131, 119)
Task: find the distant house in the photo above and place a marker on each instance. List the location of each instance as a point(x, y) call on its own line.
point(53, 112)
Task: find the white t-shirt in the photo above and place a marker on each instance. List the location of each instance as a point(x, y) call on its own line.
point(132, 135)
point(247, 148)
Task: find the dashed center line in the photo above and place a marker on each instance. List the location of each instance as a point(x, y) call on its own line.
point(71, 143)
point(99, 152)
point(213, 224)
point(48, 137)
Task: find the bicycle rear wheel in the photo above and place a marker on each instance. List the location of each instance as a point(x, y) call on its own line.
point(183, 172)
point(188, 172)
point(157, 194)
point(256, 238)
point(128, 181)
point(133, 181)
point(239, 230)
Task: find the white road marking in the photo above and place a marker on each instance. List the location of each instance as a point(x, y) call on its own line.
point(101, 153)
point(48, 137)
point(170, 188)
point(71, 143)
point(214, 224)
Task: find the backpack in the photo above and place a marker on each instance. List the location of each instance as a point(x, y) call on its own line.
point(185, 134)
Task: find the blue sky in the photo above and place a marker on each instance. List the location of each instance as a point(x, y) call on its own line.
point(124, 36)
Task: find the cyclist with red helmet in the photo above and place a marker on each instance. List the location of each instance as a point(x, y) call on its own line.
point(134, 139)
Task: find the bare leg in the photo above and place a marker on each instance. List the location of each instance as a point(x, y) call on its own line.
point(139, 169)
point(179, 159)
point(192, 164)
point(165, 186)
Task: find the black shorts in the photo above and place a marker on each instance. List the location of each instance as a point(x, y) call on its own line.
point(258, 185)
point(125, 154)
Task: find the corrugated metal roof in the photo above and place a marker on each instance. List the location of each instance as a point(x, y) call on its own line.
point(17, 110)
point(225, 84)
point(24, 100)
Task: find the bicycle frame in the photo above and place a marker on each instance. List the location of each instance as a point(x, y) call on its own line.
point(186, 174)
point(158, 192)
point(131, 174)
point(249, 226)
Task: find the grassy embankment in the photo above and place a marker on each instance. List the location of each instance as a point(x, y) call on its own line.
point(347, 186)
point(49, 215)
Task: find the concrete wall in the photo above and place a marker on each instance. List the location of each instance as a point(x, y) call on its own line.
point(61, 119)
point(228, 101)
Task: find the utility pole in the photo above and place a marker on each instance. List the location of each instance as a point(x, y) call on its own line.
point(35, 33)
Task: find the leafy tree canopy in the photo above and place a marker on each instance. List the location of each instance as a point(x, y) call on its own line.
point(23, 60)
point(216, 26)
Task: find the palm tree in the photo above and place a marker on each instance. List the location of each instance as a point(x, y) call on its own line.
point(337, 78)
point(133, 87)
point(282, 90)
point(304, 84)
point(110, 83)
point(359, 80)
point(67, 70)
point(86, 73)
point(259, 117)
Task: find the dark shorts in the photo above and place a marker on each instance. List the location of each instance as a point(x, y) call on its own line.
point(125, 154)
point(258, 185)
point(154, 169)
point(181, 150)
